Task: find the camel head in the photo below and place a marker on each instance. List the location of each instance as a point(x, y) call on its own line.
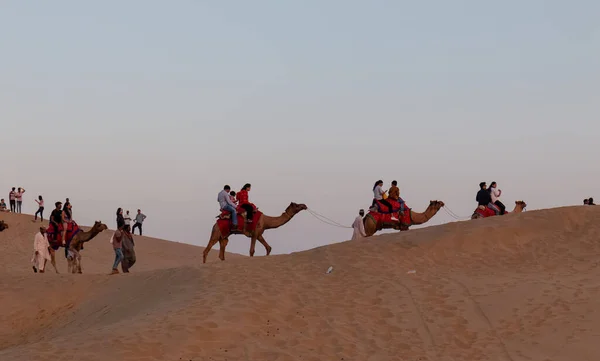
point(295, 208)
point(521, 204)
point(99, 226)
point(437, 205)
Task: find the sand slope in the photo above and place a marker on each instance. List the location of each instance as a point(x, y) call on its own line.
point(518, 287)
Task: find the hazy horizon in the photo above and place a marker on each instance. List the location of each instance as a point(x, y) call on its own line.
point(156, 106)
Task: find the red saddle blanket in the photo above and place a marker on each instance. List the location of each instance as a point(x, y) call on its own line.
point(396, 206)
point(225, 223)
point(55, 237)
point(487, 212)
point(386, 218)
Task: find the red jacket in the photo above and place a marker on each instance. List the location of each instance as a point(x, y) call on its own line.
point(242, 197)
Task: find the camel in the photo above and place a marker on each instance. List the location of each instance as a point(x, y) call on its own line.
point(264, 222)
point(519, 207)
point(415, 219)
point(74, 259)
point(3, 226)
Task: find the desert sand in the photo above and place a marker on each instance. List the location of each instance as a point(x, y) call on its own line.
point(518, 287)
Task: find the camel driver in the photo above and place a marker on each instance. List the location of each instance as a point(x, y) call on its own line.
point(227, 205)
point(242, 198)
point(359, 227)
point(484, 198)
point(56, 218)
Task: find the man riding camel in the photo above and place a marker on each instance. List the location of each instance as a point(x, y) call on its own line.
point(227, 204)
point(56, 219)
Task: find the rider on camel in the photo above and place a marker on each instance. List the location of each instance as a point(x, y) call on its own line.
point(227, 205)
point(495, 193)
point(56, 218)
point(242, 198)
point(484, 198)
point(378, 194)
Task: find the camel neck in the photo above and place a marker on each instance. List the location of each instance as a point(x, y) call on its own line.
point(275, 222)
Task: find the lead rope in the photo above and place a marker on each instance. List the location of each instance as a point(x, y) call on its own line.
point(326, 220)
point(454, 215)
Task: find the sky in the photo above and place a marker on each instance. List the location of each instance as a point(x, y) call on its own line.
point(156, 105)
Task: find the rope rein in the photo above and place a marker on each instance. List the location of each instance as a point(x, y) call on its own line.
point(326, 220)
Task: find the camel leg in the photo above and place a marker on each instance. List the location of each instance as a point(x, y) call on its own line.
point(79, 263)
point(261, 239)
point(53, 259)
point(222, 245)
point(211, 243)
point(252, 245)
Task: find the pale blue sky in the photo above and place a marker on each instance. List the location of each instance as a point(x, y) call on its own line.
point(158, 104)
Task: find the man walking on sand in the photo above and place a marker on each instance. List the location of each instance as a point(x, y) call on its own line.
point(139, 219)
point(359, 227)
point(41, 251)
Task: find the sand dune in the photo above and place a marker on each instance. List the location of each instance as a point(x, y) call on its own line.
point(518, 287)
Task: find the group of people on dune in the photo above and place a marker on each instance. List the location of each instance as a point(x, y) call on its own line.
point(235, 203)
point(589, 202)
point(122, 240)
point(15, 199)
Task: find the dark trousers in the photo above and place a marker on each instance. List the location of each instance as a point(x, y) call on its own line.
point(501, 206)
point(385, 203)
point(249, 211)
point(137, 225)
point(13, 206)
point(40, 211)
point(19, 204)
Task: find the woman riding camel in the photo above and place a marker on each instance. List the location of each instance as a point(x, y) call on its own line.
point(243, 202)
point(378, 194)
point(495, 193)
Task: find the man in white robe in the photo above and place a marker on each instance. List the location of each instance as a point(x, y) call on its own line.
point(41, 251)
point(359, 227)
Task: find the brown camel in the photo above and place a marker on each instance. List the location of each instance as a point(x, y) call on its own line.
point(415, 219)
point(519, 207)
point(3, 226)
point(264, 222)
point(74, 259)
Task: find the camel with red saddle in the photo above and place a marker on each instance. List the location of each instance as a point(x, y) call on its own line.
point(74, 258)
point(375, 220)
point(484, 212)
point(75, 237)
point(253, 230)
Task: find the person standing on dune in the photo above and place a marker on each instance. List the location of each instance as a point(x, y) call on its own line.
point(359, 226)
point(19, 198)
point(40, 211)
point(12, 199)
point(139, 219)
